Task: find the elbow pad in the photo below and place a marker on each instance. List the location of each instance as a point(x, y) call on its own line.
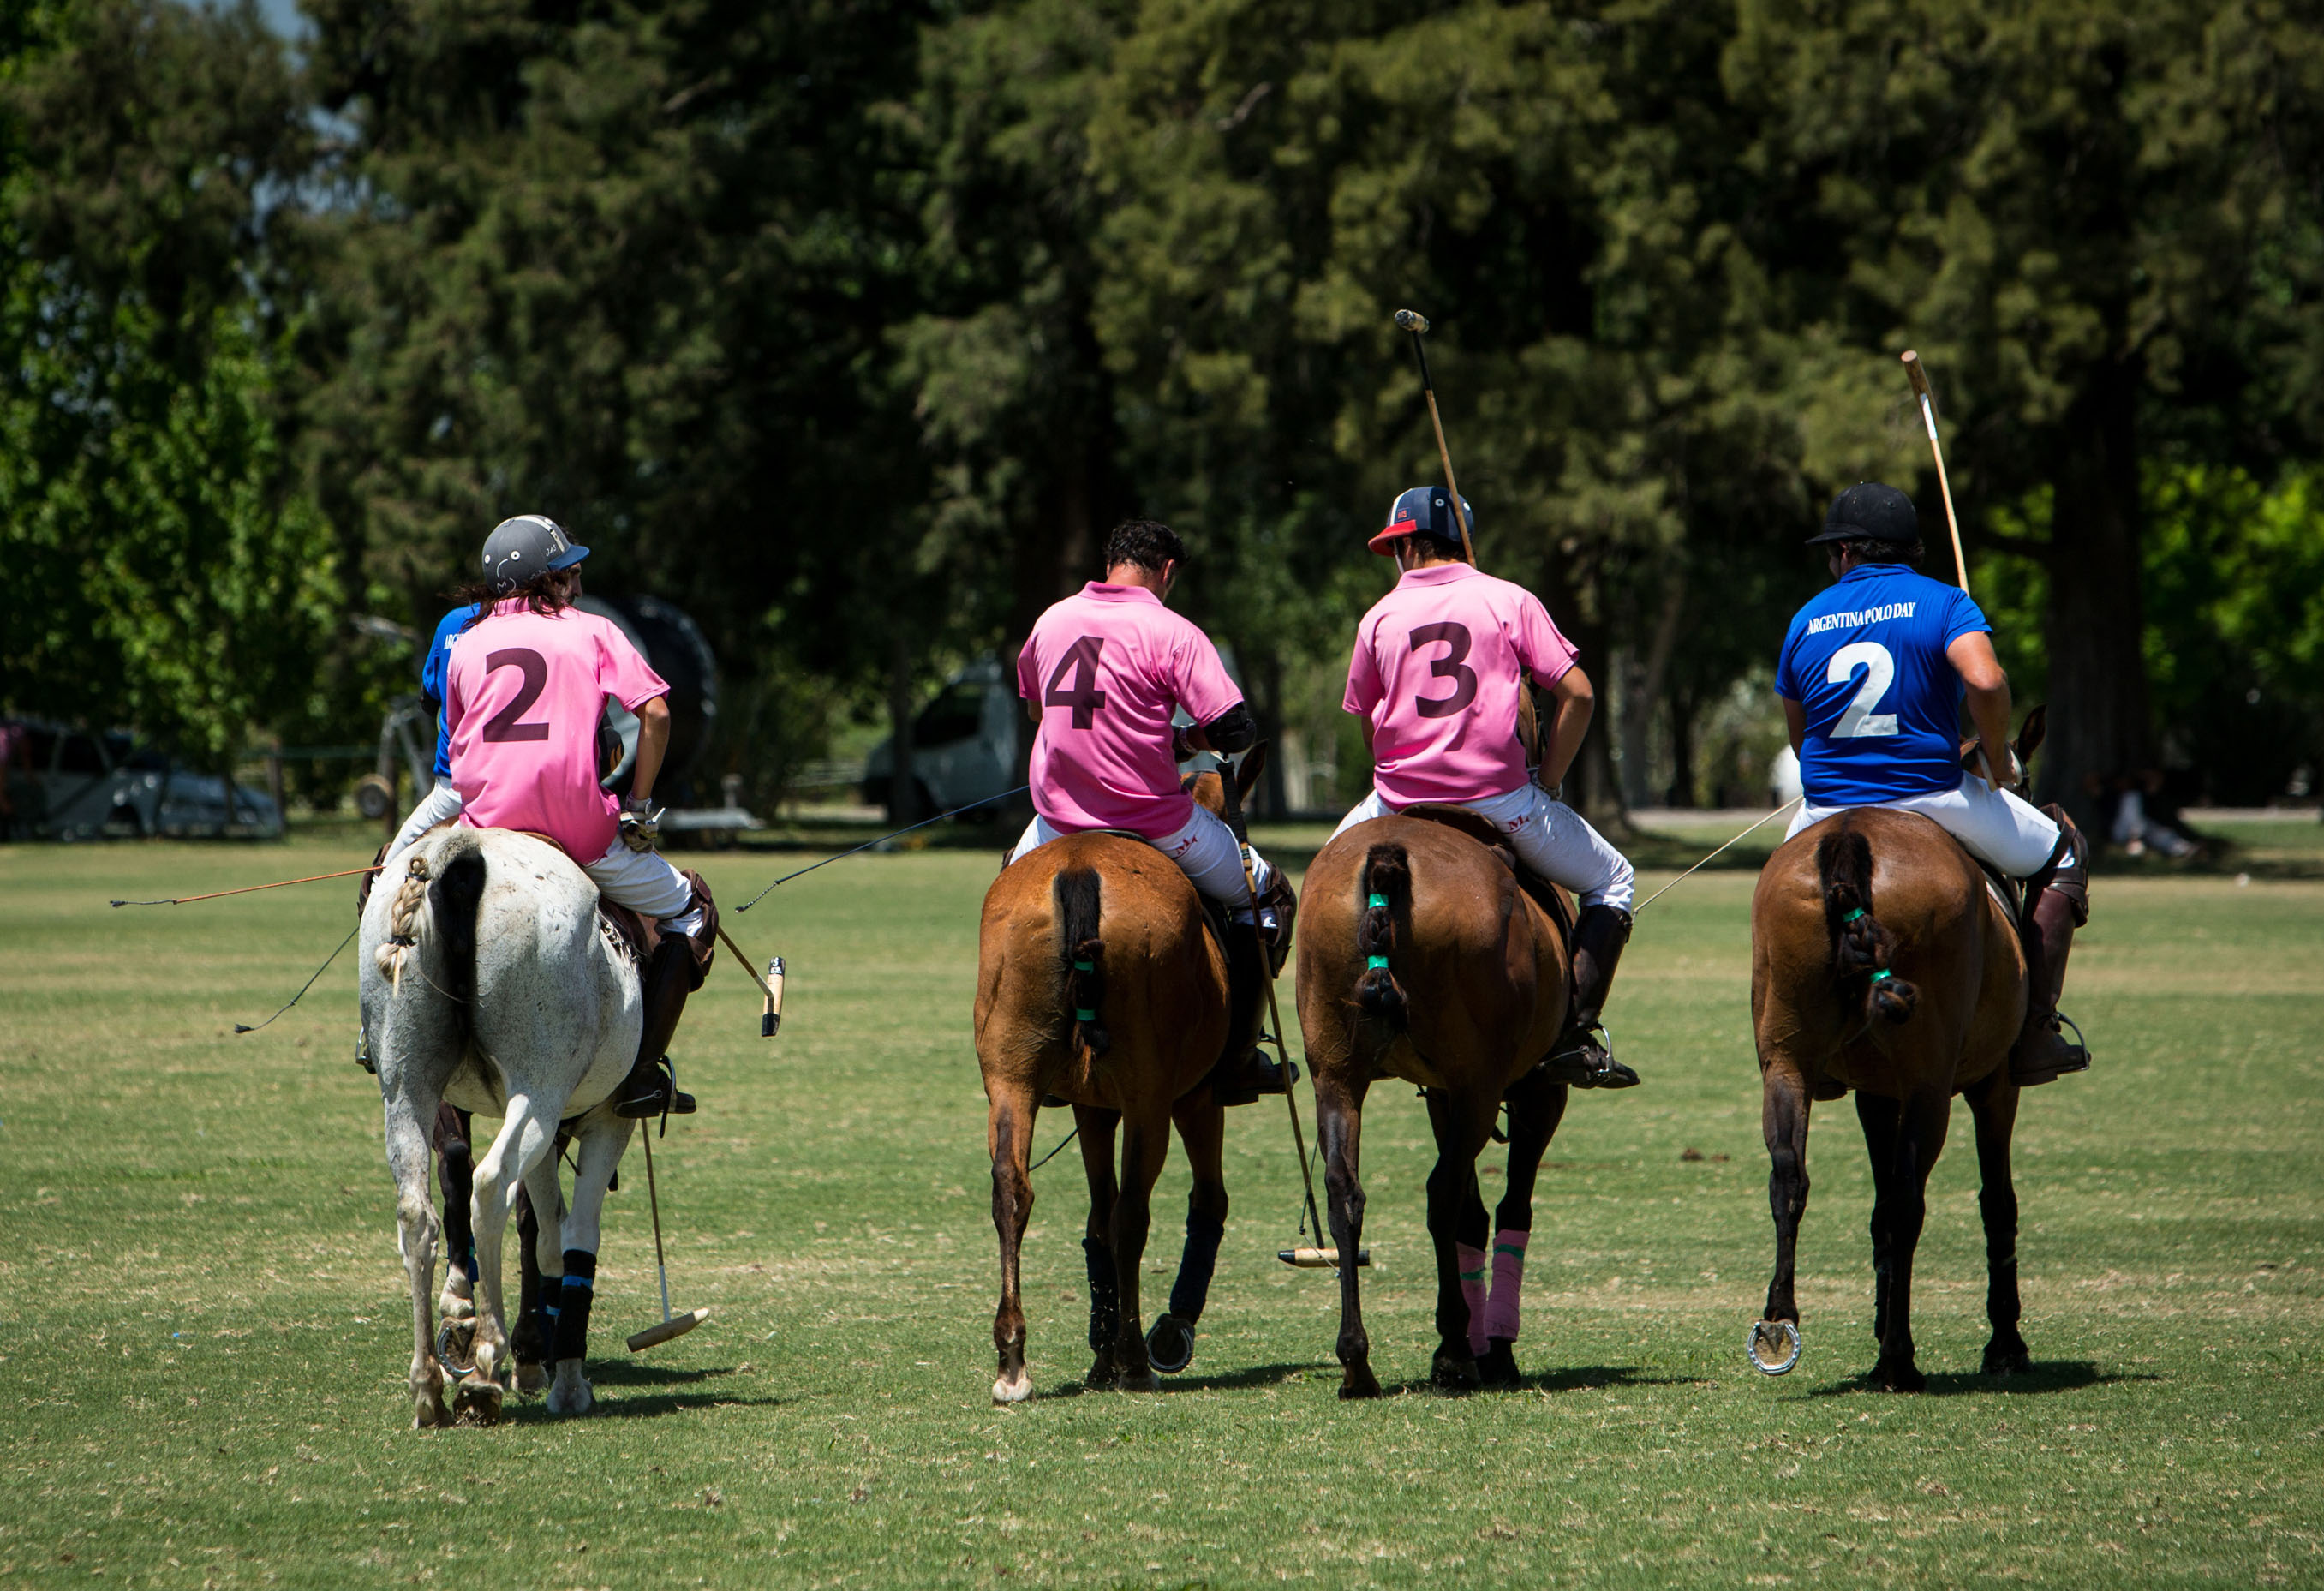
point(1231, 731)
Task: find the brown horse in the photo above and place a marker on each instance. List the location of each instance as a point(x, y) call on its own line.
point(1882, 961)
point(1422, 959)
point(1099, 981)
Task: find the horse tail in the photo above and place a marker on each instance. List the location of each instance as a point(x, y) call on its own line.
point(1075, 892)
point(452, 902)
point(1387, 888)
point(1860, 947)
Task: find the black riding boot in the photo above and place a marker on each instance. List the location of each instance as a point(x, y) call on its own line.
point(1244, 1072)
point(651, 1089)
point(2058, 902)
point(1579, 1058)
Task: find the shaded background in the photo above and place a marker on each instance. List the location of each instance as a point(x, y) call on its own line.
point(849, 327)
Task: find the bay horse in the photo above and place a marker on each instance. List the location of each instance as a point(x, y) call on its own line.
point(1424, 959)
point(1099, 981)
point(486, 981)
point(1884, 962)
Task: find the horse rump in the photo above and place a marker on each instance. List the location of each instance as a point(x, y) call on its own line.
point(1387, 889)
point(1860, 947)
point(1075, 892)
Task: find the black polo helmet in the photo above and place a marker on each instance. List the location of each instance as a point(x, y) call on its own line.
point(1422, 508)
point(521, 548)
point(1870, 512)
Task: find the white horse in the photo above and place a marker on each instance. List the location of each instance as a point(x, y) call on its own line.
point(486, 981)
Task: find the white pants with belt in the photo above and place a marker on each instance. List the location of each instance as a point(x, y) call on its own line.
point(2002, 829)
point(640, 880)
point(1204, 849)
point(1548, 835)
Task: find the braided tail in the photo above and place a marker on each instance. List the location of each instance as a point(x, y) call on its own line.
point(1860, 946)
point(1388, 889)
point(1076, 894)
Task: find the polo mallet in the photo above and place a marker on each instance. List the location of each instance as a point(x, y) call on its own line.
point(1414, 322)
point(1920, 379)
point(670, 1327)
point(771, 1015)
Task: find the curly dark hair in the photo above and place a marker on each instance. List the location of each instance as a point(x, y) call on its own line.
point(1868, 551)
point(548, 592)
point(1147, 543)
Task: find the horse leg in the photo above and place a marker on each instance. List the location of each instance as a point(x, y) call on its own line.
point(416, 1233)
point(1784, 1123)
point(1145, 1145)
point(1339, 1128)
point(455, 1168)
point(1009, 1135)
point(599, 1153)
point(1919, 1139)
point(1470, 1237)
point(1097, 1128)
point(525, 1139)
point(1202, 1124)
point(540, 1276)
point(1536, 1105)
point(1879, 1117)
point(1993, 1109)
point(1462, 1122)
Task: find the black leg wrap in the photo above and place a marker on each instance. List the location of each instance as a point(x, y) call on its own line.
point(1192, 1289)
point(572, 1338)
point(1105, 1295)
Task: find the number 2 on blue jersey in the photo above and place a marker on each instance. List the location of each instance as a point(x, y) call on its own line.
point(1857, 720)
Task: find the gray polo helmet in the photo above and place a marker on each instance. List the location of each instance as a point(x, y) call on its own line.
point(521, 548)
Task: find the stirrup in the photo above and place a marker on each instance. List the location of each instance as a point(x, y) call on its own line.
point(1589, 1064)
point(2077, 1058)
point(664, 1101)
point(363, 1053)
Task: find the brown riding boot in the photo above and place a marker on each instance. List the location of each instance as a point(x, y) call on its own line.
point(1579, 1058)
point(2058, 904)
point(678, 967)
point(1244, 1073)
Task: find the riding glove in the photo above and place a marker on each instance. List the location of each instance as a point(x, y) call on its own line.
point(641, 823)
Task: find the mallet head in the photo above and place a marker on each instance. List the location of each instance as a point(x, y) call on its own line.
point(1913, 373)
point(1411, 321)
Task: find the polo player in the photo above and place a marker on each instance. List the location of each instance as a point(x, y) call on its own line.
point(1101, 674)
point(524, 687)
point(1439, 667)
point(1873, 675)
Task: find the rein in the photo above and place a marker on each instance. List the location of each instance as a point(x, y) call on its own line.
point(883, 839)
point(1714, 856)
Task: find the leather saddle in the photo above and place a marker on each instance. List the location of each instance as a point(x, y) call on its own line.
point(1548, 896)
point(637, 935)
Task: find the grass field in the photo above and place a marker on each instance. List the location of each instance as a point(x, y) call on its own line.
point(206, 1337)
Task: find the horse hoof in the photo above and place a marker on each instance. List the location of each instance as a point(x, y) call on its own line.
point(1139, 1380)
point(1359, 1384)
point(1498, 1367)
point(2009, 1359)
point(455, 1347)
point(1899, 1378)
point(573, 1397)
point(431, 1414)
point(1103, 1372)
point(1455, 1370)
point(1012, 1389)
point(478, 1402)
point(1170, 1346)
point(1773, 1347)
point(530, 1378)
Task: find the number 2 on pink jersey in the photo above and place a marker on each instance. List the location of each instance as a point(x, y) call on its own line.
point(503, 726)
point(1455, 638)
point(1082, 696)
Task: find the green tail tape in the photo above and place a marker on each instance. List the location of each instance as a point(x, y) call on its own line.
point(1377, 962)
point(1085, 967)
point(1882, 975)
point(1852, 916)
point(1085, 1015)
point(1376, 899)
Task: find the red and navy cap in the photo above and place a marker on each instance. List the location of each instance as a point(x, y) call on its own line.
point(1423, 509)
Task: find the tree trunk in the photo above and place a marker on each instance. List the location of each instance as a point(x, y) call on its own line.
point(1681, 723)
point(2094, 622)
point(1265, 673)
point(903, 788)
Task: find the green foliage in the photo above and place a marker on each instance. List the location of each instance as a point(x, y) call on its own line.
point(164, 569)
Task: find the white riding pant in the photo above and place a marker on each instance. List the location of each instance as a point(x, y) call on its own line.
point(1549, 836)
point(640, 880)
point(440, 805)
point(1204, 850)
point(2004, 829)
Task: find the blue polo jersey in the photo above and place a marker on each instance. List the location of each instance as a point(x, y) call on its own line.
point(1867, 660)
point(432, 670)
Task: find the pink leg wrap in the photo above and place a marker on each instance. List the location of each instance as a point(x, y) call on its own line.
point(1473, 1288)
point(1501, 1314)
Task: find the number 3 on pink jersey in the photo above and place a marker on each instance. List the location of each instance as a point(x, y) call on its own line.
point(1456, 640)
point(1084, 696)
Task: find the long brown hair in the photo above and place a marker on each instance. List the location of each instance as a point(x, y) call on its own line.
point(548, 592)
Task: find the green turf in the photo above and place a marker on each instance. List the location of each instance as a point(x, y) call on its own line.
point(205, 1335)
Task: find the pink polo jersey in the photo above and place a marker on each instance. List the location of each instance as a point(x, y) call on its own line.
point(1108, 665)
point(522, 695)
point(1437, 669)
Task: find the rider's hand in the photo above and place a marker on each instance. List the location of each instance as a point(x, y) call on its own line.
point(2000, 770)
point(641, 824)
